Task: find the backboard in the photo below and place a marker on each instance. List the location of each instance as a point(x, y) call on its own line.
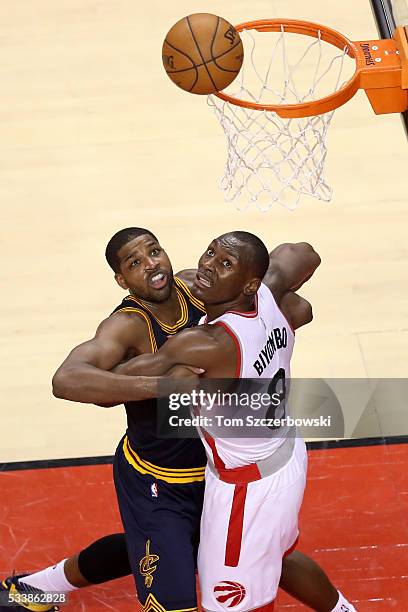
point(389, 14)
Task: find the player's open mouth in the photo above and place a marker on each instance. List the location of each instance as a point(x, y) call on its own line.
point(202, 281)
point(158, 280)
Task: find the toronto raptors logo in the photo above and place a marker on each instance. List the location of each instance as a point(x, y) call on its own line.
point(229, 593)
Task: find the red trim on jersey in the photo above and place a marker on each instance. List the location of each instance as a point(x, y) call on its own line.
point(235, 526)
point(237, 346)
point(218, 462)
point(292, 548)
point(248, 315)
point(239, 475)
point(251, 314)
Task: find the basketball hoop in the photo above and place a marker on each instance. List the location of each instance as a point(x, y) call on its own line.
point(276, 114)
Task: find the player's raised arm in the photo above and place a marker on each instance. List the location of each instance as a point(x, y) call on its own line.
point(84, 376)
point(290, 266)
point(296, 310)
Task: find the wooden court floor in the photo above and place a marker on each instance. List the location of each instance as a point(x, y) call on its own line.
point(95, 138)
point(353, 522)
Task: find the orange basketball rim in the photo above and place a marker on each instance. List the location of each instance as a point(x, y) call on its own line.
point(381, 70)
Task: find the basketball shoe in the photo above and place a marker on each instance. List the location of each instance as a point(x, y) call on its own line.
point(23, 595)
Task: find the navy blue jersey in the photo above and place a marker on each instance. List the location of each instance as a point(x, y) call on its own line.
point(144, 449)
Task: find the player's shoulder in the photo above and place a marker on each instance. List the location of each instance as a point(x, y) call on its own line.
point(129, 324)
point(187, 277)
point(127, 316)
point(215, 335)
point(130, 312)
point(274, 279)
point(185, 281)
point(201, 336)
point(198, 332)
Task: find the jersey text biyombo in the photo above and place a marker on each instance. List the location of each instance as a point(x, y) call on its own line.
point(277, 339)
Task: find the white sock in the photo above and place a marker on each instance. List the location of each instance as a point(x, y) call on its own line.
point(51, 580)
point(343, 605)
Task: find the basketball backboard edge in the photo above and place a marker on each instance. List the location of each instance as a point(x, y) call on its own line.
point(389, 14)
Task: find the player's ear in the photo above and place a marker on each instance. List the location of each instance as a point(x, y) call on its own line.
point(252, 286)
point(121, 281)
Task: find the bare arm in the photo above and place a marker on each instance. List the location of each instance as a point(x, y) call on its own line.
point(84, 376)
point(290, 266)
point(296, 310)
point(196, 347)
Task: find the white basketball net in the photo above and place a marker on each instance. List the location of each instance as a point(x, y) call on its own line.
point(271, 159)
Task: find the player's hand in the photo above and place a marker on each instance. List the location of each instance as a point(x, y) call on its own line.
point(184, 371)
point(183, 379)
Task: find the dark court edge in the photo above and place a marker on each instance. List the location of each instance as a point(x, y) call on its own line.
point(108, 459)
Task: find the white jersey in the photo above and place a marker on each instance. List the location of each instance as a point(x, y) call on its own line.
point(264, 343)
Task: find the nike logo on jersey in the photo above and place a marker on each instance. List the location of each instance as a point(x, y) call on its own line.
point(277, 339)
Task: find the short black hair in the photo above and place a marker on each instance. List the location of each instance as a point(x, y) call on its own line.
point(119, 240)
point(258, 256)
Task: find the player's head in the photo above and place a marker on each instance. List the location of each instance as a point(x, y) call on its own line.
point(232, 266)
point(140, 264)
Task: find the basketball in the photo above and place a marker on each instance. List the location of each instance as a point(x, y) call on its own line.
point(202, 53)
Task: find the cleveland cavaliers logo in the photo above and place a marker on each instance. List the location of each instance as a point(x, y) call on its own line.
point(147, 565)
point(229, 593)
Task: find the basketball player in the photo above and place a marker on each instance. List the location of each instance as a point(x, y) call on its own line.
point(158, 306)
point(242, 543)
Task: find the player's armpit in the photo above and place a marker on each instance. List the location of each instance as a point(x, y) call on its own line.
point(296, 310)
point(290, 266)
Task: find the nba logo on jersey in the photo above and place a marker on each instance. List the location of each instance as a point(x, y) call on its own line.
point(154, 490)
point(229, 593)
